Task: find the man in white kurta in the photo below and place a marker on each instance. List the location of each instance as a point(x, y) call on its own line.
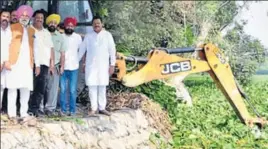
point(100, 62)
point(19, 74)
point(5, 38)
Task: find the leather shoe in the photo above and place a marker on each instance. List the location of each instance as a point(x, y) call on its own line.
point(105, 112)
point(90, 113)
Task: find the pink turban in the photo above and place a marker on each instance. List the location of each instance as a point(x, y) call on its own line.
point(24, 8)
point(70, 20)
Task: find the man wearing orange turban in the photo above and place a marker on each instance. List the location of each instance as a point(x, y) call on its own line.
point(19, 66)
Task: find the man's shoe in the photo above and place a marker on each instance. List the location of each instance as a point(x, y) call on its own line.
point(39, 113)
point(13, 120)
point(71, 114)
point(28, 120)
point(90, 113)
point(49, 113)
point(105, 112)
point(62, 114)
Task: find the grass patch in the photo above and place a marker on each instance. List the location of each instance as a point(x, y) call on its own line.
point(76, 120)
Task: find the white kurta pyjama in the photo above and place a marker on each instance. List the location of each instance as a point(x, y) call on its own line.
point(100, 48)
point(21, 73)
point(5, 40)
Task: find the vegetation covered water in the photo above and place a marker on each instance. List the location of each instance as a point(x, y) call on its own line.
point(211, 122)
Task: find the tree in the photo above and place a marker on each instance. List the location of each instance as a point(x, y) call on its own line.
point(244, 51)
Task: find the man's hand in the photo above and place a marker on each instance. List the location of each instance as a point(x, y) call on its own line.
point(51, 69)
point(111, 70)
point(84, 68)
point(1, 67)
point(61, 70)
point(37, 71)
point(7, 66)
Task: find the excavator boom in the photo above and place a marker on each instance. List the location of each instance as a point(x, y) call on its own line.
point(164, 63)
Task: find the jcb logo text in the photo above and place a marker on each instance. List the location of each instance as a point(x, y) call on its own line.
point(177, 67)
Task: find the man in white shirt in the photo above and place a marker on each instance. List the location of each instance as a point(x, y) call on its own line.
point(5, 39)
point(71, 66)
point(100, 62)
point(45, 54)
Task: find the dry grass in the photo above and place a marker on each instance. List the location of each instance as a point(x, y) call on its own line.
point(157, 118)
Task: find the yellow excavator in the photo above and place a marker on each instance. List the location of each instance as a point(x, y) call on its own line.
point(162, 63)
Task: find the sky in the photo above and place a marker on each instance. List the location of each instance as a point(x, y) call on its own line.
point(257, 16)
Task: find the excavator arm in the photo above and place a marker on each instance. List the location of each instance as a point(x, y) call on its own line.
point(163, 63)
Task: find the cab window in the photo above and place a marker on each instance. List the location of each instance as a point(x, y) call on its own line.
point(79, 9)
point(36, 5)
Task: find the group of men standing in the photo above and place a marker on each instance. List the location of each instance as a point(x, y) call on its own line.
point(44, 60)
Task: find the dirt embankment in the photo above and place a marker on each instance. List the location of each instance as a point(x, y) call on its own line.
point(134, 118)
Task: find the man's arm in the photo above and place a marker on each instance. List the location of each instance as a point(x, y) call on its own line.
point(52, 57)
point(112, 50)
point(64, 47)
point(4, 57)
point(4, 53)
point(112, 53)
point(36, 57)
point(6, 43)
point(84, 58)
point(62, 58)
point(52, 54)
point(82, 49)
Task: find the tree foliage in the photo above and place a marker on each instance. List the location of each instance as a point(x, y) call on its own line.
point(245, 52)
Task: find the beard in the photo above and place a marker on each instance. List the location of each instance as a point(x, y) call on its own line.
point(24, 22)
point(69, 31)
point(51, 29)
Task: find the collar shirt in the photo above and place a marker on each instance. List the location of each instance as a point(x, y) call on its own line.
point(44, 44)
point(59, 45)
point(71, 55)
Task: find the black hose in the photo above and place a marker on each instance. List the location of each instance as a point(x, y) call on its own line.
point(247, 99)
point(179, 50)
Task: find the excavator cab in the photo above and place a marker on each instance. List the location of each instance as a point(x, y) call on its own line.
point(81, 9)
